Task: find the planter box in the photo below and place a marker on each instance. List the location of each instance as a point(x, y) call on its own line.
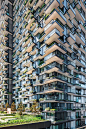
point(39, 125)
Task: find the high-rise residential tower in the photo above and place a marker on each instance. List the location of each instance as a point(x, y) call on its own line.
point(6, 44)
point(49, 59)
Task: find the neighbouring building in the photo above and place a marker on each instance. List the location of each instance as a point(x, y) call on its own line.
point(6, 46)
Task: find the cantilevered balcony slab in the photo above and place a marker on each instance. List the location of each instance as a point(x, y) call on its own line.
point(71, 38)
point(79, 16)
point(52, 59)
point(33, 27)
point(52, 36)
point(29, 48)
point(70, 66)
point(29, 23)
point(30, 4)
point(71, 11)
point(51, 5)
point(53, 79)
point(82, 26)
point(53, 48)
point(54, 15)
point(80, 62)
point(30, 70)
point(38, 30)
point(83, 5)
point(33, 52)
point(54, 24)
point(79, 39)
point(55, 69)
point(50, 91)
point(38, 4)
point(27, 64)
point(70, 24)
point(16, 87)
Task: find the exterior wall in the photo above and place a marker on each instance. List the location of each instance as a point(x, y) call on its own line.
point(49, 58)
point(40, 125)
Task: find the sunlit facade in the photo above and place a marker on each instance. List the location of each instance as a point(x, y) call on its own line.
point(49, 59)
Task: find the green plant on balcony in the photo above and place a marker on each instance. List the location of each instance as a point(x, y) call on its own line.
point(41, 62)
point(84, 26)
point(84, 116)
point(46, 17)
point(31, 91)
point(13, 54)
point(41, 7)
point(50, 44)
point(41, 99)
point(25, 48)
point(41, 34)
point(16, 62)
point(25, 25)
point(31, 25)
point(62, 57)
point(33, 100)
point(30, 1)
point(23, 76)
point(31, 75)
point(9, 93)
point(59, 22)
point(37, 1)
point(25, 2)
point(27, 14)
point(23, 95)
point(17, 8)
point(27, 37)
point(25, 71)
point(52, 109)
point(78, 9)
point(10, 78)
point(47, 109)
point(47, 77)
point(52, 10)
point(31, 16)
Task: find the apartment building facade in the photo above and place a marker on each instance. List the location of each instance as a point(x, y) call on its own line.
point(6, 45)
point(49, 59)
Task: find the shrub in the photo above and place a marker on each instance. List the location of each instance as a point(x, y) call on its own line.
point(47, 109)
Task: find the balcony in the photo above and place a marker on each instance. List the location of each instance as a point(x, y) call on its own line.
point(71, 38)
point(30, 69)
point(71, 65)
point(55, 24)
point(31, 3)
point(79, 15)
point(55, 46)
point(41, 10)
point(54, 15)
point(31, 20)
point(29, 47)
point(38, 3)
point(51, 5)
point(27, 16)
point(52, 36)
point(42, 36)
point(71, 11)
